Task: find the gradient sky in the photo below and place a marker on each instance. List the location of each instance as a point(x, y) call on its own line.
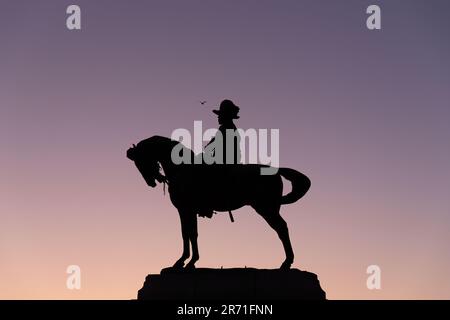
point(365, 114)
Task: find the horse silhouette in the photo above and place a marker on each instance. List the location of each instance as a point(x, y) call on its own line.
point(195, 187)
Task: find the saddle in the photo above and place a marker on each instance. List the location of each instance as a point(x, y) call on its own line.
point(226, 175)
point(206, 213)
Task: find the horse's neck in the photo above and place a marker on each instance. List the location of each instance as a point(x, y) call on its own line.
point(165, 159)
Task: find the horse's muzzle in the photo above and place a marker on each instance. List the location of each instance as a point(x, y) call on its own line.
point(151, 183)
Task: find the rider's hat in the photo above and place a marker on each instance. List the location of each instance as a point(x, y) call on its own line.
point(228, 109)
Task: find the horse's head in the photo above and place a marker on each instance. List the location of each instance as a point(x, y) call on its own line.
point(147, 165)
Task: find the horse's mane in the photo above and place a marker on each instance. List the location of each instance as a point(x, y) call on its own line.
point(160, 143)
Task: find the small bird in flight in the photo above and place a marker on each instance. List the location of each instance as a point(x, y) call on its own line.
point(203, 102)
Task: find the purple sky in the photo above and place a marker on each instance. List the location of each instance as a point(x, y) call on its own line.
point(365, 114)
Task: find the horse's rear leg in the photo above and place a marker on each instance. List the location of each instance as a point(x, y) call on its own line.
point(273, 218)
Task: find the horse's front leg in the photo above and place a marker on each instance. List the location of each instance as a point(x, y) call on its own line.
point(193, 235)
point(185, 234)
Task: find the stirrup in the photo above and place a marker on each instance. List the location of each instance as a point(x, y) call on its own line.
point(231, 215)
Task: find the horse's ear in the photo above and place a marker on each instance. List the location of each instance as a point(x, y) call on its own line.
point(134, 146)
point(131, 153)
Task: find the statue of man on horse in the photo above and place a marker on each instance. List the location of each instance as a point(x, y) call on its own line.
point(200, 189)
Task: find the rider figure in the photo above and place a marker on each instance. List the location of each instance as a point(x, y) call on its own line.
point(230, 140)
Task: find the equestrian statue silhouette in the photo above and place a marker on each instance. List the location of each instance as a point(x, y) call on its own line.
point(193, 190)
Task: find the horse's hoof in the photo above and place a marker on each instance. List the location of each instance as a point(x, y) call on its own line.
point(190, 266)
point(178, 265)
point(286, 265)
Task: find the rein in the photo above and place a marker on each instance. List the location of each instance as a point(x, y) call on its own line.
point(162, 178)
point(164, 182)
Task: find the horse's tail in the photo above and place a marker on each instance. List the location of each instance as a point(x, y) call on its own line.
point(300, 185)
